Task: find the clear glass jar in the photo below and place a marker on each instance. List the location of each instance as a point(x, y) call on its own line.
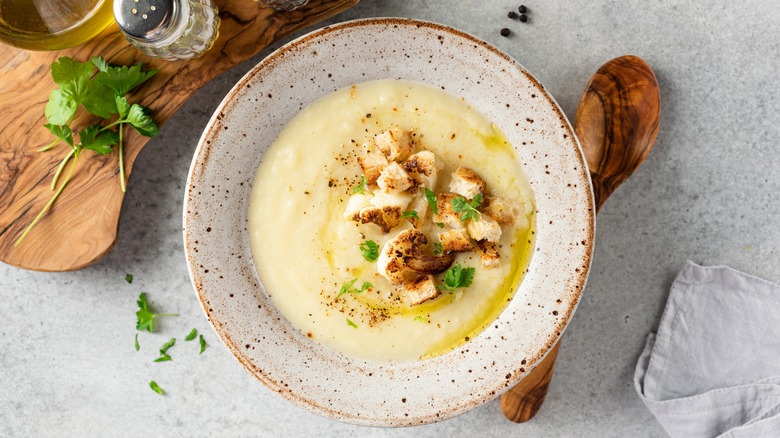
point(171, 30)
point(283, 5)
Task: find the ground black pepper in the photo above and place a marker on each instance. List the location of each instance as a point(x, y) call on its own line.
point(505, 32)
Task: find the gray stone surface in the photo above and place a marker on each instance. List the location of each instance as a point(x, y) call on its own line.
point(707, 192)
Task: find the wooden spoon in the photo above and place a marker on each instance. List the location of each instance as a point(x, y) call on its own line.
point(616, 123)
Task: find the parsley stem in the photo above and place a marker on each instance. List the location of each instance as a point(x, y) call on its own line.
point(49, 146)
point(51, 201)
point(59, 169)
point(121, 161)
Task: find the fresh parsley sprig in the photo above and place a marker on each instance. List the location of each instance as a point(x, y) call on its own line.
point(360, 188)
point(469, 209)
point(457, 276)
point(102, 94)
point(411, 214)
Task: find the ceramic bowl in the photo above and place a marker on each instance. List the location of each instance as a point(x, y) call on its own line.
point(316, 377)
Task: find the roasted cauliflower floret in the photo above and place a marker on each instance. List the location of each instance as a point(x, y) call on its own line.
point(467, 183)
point(382, 199)
point(395, 143)
point(386, 218)
point(420, 290)
point(372, 164)
point(484, 229)
point(455, 241)
point(402, 259)
point(355, 204)
point(394, 179)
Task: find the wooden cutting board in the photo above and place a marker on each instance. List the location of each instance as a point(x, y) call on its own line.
point(81, 227)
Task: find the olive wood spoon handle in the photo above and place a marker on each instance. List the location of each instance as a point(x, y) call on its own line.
point(617, 123)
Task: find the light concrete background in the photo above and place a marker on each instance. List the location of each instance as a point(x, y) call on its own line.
point(708, 192)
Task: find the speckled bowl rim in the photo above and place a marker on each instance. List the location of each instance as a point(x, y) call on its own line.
point(196, 248)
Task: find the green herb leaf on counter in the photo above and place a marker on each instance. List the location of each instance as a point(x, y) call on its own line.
point(137, 345)
point(166, 346)
point(469, 209)
point(192, 335)
point(145, 316)
point(163, 358)
point(129, 278)
point(351, 324)
point(203, 344)
point(431, 198)
point(370, 250)
point(410, 214)
point(457, 276)
point(360, 188)
point(156, 388)
point(437, 248)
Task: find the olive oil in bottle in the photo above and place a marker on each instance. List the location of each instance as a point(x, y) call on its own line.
point(52, 24)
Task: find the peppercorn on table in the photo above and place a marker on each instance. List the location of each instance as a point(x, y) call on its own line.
point(68, 341)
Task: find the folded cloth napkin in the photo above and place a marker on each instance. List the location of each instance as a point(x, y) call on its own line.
point(713, 368)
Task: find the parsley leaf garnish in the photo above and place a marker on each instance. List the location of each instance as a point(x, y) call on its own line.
point(120, 79)
point(360, 188)
point(370, 250)
point(469, 209)
point(137, 346)
point(437, 248)
point(156, 388)
point(351, 324)
point(146, 316)
point(457, 276)
point(431, 198)
point(129, 278)
point(203, 344)
point(420, 318)
point(192, 335)
point(410, 214)
point(164, 357)
point(348, 289)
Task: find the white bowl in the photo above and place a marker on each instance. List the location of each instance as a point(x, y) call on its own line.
point(316, 377)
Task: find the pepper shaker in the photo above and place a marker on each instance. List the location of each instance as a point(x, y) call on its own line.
point(168, 29)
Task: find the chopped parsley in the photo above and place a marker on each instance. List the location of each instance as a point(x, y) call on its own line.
point(137, 345)
point(431, 197)
point(129, 278)
point(360, 188)
point(370, 250)
point(457, 276)
point(469, 209)
point(156, 388)
point(348, 289)
point(351, 324)
point(410, 214)
point(192, 335)
point(437, 248)
point(420, 318)
point(203, 344)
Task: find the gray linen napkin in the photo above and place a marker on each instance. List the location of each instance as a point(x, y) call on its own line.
point(713, 368)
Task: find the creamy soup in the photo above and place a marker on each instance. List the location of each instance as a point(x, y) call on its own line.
point(307, 254)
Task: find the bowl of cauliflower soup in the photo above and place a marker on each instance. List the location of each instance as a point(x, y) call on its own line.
point(388, 222)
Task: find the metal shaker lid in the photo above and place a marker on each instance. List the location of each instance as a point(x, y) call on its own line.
point(145, 19)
